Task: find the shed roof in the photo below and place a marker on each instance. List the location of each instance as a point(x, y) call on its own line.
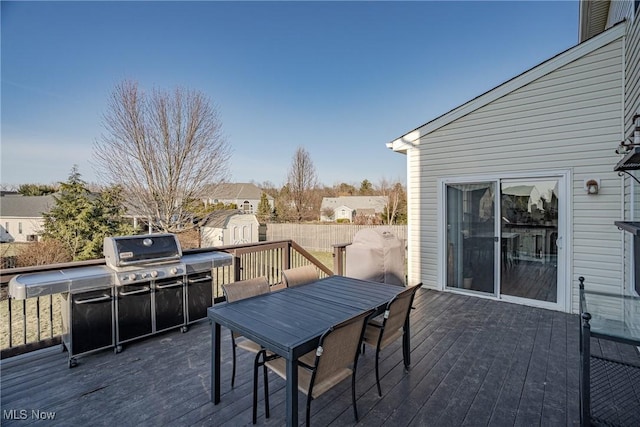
point(25, 206)
point(219, 219)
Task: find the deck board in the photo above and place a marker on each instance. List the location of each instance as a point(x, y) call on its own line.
point(475, 361)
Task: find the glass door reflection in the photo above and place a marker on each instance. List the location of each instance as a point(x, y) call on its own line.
point(471, 237)
point(529, 231)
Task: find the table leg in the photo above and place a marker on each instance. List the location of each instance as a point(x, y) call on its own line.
point(292, 392)
point(215, 363)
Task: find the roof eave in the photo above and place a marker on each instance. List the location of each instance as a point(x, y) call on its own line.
point(593, 18)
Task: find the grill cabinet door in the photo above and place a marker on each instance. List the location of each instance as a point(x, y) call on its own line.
point(169, 303)
point(91, 321)
point(199, 296)
point(134, 311)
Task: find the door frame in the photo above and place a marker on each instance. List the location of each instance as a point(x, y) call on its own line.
point(565, 252)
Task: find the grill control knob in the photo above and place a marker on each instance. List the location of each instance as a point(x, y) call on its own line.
point(173, 270)
point(154, 274)
point(132, 276)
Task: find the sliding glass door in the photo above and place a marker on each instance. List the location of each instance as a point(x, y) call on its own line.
point(529, 228)
point(502, 237)
point(471, 236)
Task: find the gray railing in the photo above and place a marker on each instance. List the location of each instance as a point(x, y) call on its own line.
point(27, 325)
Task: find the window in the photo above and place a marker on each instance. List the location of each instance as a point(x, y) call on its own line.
point(6, 226)
point(19, 228)
point(246, 206)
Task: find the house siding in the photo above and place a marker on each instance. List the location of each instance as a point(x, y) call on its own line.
point(632, 107)
point(414, 235)
point(619, 10)
point(567, 120)
point(30, 227)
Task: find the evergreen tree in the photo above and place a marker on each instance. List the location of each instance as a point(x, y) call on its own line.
point(80, 221)
point(264, 209)
point(366, 188)
point(108, 220)
point(35, 189)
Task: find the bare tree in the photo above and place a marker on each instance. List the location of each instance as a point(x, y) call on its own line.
point(163, 149)
point(301, 181)
point(396, 200)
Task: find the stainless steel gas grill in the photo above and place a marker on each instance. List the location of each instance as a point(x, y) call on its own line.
point(146, 287)
point(149, 279)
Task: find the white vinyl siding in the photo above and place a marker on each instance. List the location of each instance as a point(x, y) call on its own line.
point(415, 244)
point(568, 119)
point(619, 10)
point(632, 102)
point(19, 229)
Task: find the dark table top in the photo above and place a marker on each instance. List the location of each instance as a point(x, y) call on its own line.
point(352, 292)
point(289, 322)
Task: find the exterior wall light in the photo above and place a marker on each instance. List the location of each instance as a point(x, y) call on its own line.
point(592, 186)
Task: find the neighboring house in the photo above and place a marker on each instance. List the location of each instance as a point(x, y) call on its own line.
point(348, 207)
point(229, 227)
point(541, 137)
point(245, 196)
point(21, 217)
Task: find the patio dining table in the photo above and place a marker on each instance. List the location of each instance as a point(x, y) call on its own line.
point(289, 322)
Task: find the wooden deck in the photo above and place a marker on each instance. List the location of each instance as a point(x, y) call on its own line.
point(474, 362)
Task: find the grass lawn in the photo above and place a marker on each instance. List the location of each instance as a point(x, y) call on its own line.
point(325, 257)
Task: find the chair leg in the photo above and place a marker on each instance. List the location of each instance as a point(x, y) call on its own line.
point(265, 380)
point(309, 409)
point(353, 394)
point(233, 368)
point(256, 364)
point(378, 372)
point(405, 356)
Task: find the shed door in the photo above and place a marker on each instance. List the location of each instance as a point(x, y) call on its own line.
point(242, 234)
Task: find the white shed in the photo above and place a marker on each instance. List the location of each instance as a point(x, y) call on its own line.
point(222, 228)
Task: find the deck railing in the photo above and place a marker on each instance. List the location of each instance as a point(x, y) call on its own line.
point(27, 325)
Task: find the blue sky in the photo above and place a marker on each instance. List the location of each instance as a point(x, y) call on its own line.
point(340, 79)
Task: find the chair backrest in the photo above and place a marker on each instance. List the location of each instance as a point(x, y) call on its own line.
point(339, 348)
point(398, 309)
point(246, 288)
point(299, 275)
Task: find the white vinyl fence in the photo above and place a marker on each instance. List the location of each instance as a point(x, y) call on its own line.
point(322, 237)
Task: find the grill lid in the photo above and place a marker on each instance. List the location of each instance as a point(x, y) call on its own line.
point(122, 251)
